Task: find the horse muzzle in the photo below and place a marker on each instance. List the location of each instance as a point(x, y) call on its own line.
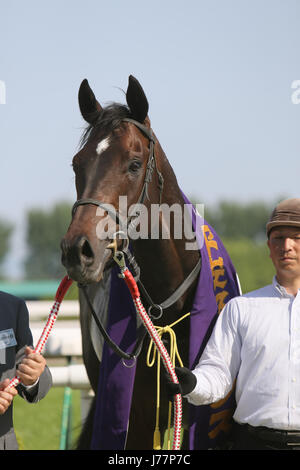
point(83, 262)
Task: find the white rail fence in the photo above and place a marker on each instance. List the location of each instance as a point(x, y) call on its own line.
point(64, 342)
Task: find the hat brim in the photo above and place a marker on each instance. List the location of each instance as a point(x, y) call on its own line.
point(281, 223)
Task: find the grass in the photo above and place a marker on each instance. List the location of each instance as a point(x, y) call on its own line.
point(38, 426)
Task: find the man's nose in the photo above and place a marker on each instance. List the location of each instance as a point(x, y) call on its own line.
point(287, 244)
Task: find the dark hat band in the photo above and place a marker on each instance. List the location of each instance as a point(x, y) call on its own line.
point(288, 216)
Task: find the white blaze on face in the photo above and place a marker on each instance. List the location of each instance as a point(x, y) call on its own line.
point(102, 146)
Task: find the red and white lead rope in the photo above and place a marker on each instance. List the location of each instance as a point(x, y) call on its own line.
point(60, 293)
point(132, 286)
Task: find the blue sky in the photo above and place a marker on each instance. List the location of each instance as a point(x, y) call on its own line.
point(217, 74)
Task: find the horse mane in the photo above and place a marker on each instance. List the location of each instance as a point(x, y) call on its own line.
point(109, 119)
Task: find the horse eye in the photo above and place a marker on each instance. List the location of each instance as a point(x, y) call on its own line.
point(134, 166)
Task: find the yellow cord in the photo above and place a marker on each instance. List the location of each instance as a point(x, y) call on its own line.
point(174, 354)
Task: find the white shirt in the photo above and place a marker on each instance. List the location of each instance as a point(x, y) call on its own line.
point(256, 339)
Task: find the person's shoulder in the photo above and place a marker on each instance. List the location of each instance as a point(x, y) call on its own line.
point(7, 298)
point(244, 299)
point(261, 293)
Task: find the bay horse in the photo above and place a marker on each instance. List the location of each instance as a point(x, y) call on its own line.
point(120, 155)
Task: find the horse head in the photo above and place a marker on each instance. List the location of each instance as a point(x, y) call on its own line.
point(115, 159)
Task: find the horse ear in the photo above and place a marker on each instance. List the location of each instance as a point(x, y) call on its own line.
point(89, 106)
point(136, 100)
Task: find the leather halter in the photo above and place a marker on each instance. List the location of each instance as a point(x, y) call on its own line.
point(151, 165)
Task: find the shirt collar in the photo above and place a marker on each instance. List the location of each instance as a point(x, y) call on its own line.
point(282, 290)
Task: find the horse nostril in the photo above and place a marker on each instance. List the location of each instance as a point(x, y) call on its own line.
point(86, 250)
point(77, 252)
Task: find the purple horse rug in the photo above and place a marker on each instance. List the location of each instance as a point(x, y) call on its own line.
point(217, 284)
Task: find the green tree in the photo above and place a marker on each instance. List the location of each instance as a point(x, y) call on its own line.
point(45, 230)
point(251, 261)
point(242, 228)
point(235, 220)
point(6, 230)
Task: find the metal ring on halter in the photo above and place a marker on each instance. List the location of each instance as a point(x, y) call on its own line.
point(157, 307)
point(126, 244)
point(129, 366)
point(113, 244)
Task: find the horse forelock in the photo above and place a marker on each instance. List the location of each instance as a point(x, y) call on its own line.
point(108, 120)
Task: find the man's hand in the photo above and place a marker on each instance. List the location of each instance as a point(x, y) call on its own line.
point(31, 367)
point(187, 382)
point(6, 395)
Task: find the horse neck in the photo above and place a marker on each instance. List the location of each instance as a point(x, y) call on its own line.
point(165, 263)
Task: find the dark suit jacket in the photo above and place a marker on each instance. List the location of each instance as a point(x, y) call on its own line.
point(15, 335)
